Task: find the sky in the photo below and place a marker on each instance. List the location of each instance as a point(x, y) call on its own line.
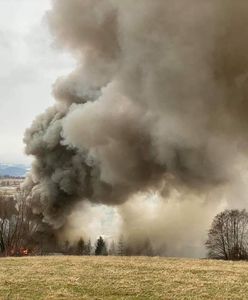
point(29, 65)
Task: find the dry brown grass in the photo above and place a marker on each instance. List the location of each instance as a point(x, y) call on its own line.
point(121, 278)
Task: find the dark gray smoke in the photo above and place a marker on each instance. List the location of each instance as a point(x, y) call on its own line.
point(158, 101)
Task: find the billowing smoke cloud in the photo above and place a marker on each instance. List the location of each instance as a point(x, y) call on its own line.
point(158, 101)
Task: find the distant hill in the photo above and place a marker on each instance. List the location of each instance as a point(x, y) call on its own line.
point(13, 170)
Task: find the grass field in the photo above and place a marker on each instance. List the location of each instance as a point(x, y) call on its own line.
point(121, 278)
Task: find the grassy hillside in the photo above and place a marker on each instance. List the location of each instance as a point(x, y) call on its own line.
point(121, 278)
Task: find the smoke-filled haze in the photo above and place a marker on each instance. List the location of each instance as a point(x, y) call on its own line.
point(152, 121)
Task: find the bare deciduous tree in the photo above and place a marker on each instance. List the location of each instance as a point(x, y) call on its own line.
point(228, 236)
point(17, 225)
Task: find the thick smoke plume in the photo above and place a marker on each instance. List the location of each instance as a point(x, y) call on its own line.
point(158, 101)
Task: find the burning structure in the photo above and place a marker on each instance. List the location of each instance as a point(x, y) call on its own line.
point(157, 102)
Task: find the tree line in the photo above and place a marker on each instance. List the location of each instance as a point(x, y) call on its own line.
point(121, 247)
point(227, 239)
point(19, 235)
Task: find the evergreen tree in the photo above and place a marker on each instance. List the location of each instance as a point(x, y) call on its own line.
point(121, 246)
point(147, 248)
point(66, 247)
point(112, 249)
point(2, 246)
point(80, 247)
point(88, 248)
point(101, 248)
